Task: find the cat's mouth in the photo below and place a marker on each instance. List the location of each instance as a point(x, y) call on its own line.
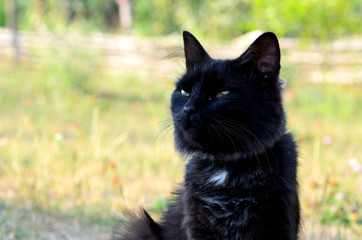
point(191, 123)
point(190, 131)
point(187, 125)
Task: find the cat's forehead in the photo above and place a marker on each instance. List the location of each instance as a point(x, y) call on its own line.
point(214, 68)
point(214, 74)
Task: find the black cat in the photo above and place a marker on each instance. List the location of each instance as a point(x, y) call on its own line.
point(240, 181)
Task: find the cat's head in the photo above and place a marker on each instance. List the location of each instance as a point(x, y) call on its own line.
point(229, 106)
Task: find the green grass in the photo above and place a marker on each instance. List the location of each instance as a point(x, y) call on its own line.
point(81, 144)
point(326, 119)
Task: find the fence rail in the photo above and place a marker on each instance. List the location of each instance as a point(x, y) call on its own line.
point(338, 61)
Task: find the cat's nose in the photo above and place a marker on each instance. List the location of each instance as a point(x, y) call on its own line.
point(188, 110)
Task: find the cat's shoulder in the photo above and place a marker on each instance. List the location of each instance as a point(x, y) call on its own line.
point(287, 144)
point(287, 154)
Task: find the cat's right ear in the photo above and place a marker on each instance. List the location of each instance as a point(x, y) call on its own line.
point(264, 52)
point(194, 52)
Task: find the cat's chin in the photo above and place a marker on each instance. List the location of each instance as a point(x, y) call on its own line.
point(196, 142)
point(224, 156)
point(190, 139)
point(189, 147)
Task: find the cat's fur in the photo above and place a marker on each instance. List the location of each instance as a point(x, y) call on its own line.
point(240, 181)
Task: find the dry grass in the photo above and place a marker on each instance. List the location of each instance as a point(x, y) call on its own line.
point(79, 145)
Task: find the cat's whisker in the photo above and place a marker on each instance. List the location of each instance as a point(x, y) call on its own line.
point(165, 130)
point(238, 131)
point(228, 134)
point(230, 126)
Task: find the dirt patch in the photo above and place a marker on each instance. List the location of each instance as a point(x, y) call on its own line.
point(33, 224)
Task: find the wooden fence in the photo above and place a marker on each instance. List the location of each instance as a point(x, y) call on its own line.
point(339, 61)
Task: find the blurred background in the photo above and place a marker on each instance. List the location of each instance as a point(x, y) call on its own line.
point(85, 127)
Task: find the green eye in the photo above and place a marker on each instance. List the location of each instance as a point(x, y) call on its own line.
point(220, 94)
point(184, 93)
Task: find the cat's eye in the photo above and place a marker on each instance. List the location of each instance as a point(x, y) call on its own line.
point(184, 93)
point(222, 93)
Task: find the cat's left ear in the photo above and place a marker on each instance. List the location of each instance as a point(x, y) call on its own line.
point(265, 53)
point(194, 52)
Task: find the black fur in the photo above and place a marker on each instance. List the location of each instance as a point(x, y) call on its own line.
point(139, 226)
point(240, 181)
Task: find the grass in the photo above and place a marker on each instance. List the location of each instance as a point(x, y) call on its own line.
point(80, 146)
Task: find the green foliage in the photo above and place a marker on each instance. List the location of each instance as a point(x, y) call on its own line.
point(2, 14)
point(209, 18)
point(310, 18)
point(318, 19)
point(59, 15)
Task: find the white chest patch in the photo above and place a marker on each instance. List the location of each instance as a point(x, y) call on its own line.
point(219, 178)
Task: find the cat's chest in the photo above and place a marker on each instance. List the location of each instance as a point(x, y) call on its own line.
point(225, 195)
point(226, 189)
point(226, 179)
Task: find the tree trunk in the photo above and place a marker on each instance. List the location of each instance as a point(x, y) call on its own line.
point(125, 15)
point(14, 27)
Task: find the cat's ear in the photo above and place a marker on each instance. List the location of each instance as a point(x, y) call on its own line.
point(265, 53)
point(194, 52)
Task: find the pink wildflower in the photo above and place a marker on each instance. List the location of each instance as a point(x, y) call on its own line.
point(327, 140)
point(289, 95)
point(355, 165)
